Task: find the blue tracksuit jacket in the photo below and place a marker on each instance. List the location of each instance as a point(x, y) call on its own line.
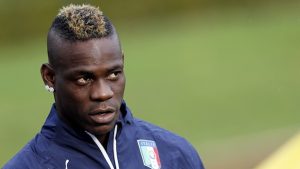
point(138, 145)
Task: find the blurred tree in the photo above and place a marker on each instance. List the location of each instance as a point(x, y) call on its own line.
point(26, 19)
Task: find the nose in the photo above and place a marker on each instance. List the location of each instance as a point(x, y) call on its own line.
point(101, 91)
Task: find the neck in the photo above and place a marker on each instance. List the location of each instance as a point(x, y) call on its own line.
point(103, 140)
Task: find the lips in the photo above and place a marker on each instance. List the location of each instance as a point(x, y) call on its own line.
point(103, 116)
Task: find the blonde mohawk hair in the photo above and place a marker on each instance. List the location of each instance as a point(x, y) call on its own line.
point(81, 22)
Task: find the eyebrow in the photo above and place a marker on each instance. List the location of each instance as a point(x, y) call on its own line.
point(82, 70)
point(117, 66)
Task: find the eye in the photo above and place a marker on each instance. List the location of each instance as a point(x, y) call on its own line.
point(114, 75)
point(83, 81)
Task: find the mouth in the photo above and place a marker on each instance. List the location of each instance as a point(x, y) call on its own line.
point(102, 116)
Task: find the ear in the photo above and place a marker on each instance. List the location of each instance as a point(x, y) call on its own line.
point(48, 75)
point(123, 56)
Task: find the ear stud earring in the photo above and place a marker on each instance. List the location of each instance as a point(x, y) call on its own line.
point(49, 89)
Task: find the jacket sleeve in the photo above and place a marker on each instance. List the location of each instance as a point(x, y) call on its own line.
point(192, 157)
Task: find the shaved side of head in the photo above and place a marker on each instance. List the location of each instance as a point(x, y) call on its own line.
point(76, 23)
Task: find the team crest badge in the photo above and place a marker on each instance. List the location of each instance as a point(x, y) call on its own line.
point(149, 153)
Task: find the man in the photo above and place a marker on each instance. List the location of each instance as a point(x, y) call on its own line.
point(89, 125)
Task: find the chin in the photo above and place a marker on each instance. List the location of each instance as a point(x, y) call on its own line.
point(102, 130)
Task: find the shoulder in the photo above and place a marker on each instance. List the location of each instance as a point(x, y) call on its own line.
point(160, 134)
point(29, 157)
point(167, 142)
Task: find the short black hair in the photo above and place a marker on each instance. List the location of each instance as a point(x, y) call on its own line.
point(81, 22)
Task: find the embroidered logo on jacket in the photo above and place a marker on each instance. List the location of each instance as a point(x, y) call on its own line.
point(149, 153)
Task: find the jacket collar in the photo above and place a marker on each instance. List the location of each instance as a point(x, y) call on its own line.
point(55, 129)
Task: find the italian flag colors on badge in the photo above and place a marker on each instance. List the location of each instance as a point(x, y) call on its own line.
point(149, 153)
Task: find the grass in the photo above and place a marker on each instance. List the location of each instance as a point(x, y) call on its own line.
point(205, 77)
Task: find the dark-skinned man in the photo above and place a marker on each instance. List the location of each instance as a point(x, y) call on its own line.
point(89, 125)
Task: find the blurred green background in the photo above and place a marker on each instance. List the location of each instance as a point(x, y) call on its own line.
point(223, 74)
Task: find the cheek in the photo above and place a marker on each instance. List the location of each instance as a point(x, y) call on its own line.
point(73, 104)
point(79, 99)
point(71, 96)
point(120, 87)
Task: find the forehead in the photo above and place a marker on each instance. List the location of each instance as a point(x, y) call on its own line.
point(102, 53)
